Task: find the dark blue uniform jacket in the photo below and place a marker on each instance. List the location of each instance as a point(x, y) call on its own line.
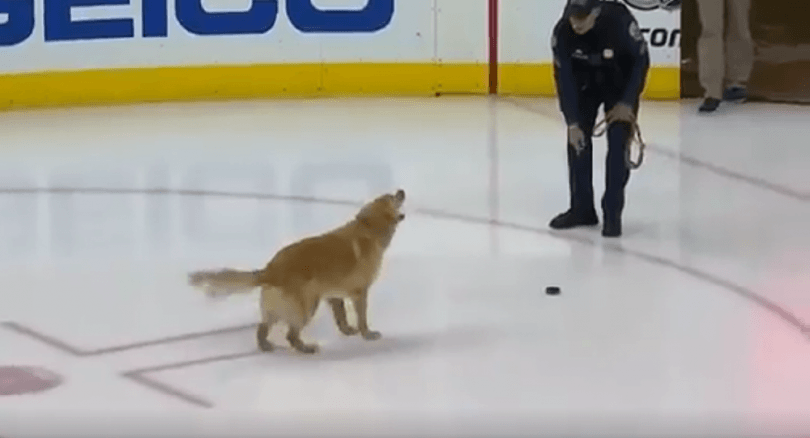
point(610, 61)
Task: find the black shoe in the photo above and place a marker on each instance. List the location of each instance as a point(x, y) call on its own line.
point(735, 94)
point(709, 105)
point(571, 219)
point(612, 226)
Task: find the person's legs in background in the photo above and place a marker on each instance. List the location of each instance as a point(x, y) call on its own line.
point(739, 49)
point(710, 48)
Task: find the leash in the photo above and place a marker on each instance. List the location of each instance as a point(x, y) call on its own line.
point(601, 128)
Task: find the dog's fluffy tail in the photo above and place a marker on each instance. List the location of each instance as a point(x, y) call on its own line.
point(224, 282)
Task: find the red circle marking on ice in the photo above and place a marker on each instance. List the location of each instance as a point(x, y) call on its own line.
point(19, 380)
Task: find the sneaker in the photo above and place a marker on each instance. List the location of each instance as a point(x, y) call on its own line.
point(709, 105)
point(735, 94)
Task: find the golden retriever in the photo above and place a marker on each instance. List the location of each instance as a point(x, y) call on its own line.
point(340, 264)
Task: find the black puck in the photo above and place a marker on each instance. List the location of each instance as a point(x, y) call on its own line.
point(553, 290)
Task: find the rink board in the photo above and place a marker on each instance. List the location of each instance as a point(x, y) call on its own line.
point(120, 51)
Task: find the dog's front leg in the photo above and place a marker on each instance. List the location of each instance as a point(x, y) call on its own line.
point(339, 311)
point(360, 301)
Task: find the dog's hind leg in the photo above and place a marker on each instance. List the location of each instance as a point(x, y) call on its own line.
point(342, 321)
point(294, 338)
point(275, 306)
point(296, 326)
point(268, 320)
point(288, 307)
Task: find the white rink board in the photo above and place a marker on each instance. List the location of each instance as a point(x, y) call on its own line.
point(526, 27)
point(421, 31)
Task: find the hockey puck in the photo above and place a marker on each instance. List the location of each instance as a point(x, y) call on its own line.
point(552, 290)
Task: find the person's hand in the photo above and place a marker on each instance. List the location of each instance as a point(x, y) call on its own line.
point(576, 138)
point(621, 112)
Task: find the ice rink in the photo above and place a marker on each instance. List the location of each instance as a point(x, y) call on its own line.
point(695, 320)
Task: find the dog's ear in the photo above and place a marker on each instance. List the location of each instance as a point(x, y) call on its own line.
point(400, 195)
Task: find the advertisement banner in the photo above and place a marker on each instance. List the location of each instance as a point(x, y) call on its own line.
point(660, 22)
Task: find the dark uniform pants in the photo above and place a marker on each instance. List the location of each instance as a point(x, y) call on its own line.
point(580, 165)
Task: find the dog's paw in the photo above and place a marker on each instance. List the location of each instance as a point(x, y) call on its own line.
point(308, 348)
point(266, 346)
point(349, 331)
point(372, 335)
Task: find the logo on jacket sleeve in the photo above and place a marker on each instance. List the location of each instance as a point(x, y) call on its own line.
point(635, 32)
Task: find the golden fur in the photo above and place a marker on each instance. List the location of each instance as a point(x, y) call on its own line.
point(337, 265)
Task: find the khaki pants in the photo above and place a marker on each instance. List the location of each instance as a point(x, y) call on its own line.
point(725, 55)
